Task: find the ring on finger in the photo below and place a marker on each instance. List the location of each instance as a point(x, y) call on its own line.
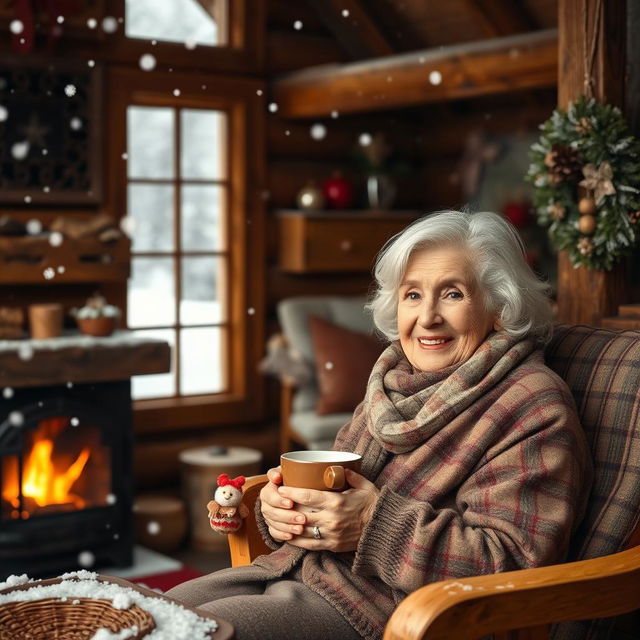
point(316, 533)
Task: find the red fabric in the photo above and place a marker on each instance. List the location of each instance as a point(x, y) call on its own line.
point(165, 581)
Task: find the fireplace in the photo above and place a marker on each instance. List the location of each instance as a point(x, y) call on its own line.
point(66, 465)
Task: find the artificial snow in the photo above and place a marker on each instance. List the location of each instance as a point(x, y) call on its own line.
point(172, 620)
point(117, 339)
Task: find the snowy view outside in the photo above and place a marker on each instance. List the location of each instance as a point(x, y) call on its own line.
point(170, 20)
point(158, 255)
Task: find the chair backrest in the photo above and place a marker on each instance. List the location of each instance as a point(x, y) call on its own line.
point(293, 314)
point(602, 369)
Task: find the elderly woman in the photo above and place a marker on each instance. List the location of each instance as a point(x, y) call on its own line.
point(473, 459)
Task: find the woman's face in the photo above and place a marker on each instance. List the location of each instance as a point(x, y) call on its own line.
point(441, 315)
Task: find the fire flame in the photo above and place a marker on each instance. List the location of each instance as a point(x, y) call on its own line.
point(43, 481)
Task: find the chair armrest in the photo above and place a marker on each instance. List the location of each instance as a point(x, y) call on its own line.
point(247, 544)
point(469, 608)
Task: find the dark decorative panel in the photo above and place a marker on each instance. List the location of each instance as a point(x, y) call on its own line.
point(50, 148)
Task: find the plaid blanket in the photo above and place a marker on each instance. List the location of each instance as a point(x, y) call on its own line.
point(483, 467)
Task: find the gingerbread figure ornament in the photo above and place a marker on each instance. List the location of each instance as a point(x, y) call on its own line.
point(226, 510)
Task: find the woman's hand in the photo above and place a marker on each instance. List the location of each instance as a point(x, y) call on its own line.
point(340, 517)
point(283, 520)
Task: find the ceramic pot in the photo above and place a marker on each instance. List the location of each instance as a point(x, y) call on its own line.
point(45, 320)
point(100, 327)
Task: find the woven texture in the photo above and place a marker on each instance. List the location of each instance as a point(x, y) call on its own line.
point(73, 619)
point(602, 369)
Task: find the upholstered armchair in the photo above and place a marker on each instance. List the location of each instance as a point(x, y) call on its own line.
point(602, 577)
point(300, 424)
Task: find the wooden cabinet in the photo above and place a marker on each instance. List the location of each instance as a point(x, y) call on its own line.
point(333, 241)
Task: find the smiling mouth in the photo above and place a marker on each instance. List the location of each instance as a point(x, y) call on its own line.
point(434, 342)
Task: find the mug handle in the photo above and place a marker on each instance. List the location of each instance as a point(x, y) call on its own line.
point(334, 478)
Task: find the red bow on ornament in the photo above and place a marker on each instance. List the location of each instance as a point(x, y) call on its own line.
point(224, 480)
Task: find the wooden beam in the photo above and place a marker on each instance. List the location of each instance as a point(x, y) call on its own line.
point(586, 296)
point(501, 65)
point(353, 28)
point(501, 17)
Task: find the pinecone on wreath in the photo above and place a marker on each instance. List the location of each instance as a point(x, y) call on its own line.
point(564, 164)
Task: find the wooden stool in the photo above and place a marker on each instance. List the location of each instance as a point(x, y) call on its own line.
point(160, 521)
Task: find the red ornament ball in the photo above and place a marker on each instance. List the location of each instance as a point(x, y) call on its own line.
point(339, 192)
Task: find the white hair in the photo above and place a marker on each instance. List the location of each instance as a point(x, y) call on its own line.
point(511, 289)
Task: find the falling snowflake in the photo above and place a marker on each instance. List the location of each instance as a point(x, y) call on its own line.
point(74, 422)
point(365, 139)
point(76, 123)
point(273, 107)
point(16, 27)
point(20, 150)
point(176, 92)
point(25, 351)
point(34, 227)
point(266, 194)
point(128, 225)
point(287, 132)
point(56, 239)
point(92, 23)
point(435, 77)
point(328, 366)
point(251, 311)
point(318, 131)
point(4, 114)
point(91, 63)
point(69, 385)
point(16, 419)
point(7, 392)
point(111, 498)
point(153, 528)
point(45, 151)
point(147, 62)
point(49, 273)
point(60, 19)
point(109, 24)
point(46, 189)
point(334, 114)
point(297, 25)
point(125, 155)
point(345, 13)
point(190, 43)
point(259, 92)
point(86, 559)
point(70, 91)
point(27, 199)
point(61, 268)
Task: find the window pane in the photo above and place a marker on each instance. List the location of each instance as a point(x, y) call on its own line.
point(150, 133)
point(203, 143)
point(202, 223)
point(175, 21)
point(151, 293)
point(201, 360)
point(151, 207)
point(203, 299)
point(157, 385)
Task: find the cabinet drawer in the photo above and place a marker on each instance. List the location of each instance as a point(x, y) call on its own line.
point(316, 244)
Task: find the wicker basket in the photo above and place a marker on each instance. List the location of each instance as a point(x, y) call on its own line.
point(73, 619)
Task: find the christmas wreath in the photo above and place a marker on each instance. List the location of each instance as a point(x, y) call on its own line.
point(585, 170)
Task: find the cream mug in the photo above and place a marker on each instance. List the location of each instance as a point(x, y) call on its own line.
point(321, 470)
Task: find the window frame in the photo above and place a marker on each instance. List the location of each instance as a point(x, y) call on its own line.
point(244, 50)
point(245, 108)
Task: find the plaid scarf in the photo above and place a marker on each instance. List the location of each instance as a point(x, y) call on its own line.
point(403, 407)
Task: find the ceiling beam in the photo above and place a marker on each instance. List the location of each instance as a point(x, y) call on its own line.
point(487, 67)
point(501, 17)
point(348, 21)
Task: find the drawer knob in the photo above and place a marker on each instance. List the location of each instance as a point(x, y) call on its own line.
point(346, 245)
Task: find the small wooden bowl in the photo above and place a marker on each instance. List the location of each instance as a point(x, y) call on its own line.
point(102, 326)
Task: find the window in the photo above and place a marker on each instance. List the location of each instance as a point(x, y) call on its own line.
point(189, 22)
point(187, 171)
point(177, 194)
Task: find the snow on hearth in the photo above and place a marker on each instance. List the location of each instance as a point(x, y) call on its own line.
point(173, 621)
